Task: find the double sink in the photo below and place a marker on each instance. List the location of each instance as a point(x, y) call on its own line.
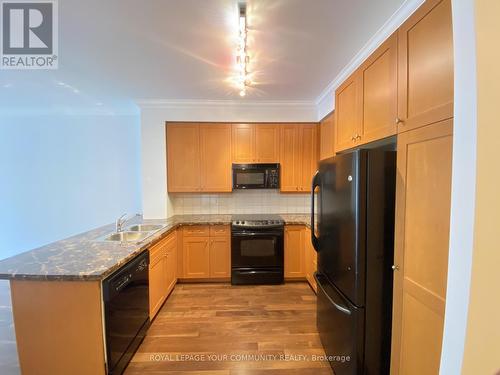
point(134, 233)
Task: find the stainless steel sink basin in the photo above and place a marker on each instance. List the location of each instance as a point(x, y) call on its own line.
point(127, 236)
point(144, 228)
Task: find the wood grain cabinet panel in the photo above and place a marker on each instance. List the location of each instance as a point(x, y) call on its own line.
point(266, 143)
point(425, 66)
point(379, 87)
point(196, 253)
point(326, 135)
point(183, 158)
point(243, 138)
point(220, 257)
point(157, 279)
point(215, 159)
point(347, 112)
point(422, 207)
point(298, 156)
point(308, 155)
point(294, 251)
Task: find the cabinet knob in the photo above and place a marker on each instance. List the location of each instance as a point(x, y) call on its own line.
point(395, 267)
point(358, 136)
point(353, 138)
point(399, 121)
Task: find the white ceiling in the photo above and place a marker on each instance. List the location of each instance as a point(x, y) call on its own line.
point(122, 50)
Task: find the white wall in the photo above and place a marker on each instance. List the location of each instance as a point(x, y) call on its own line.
point(61, 174)
point(156, 202)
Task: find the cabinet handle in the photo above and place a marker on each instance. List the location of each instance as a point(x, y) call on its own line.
point(353, 138)
point(358, 136)
point(399, 121)
point(395, 267)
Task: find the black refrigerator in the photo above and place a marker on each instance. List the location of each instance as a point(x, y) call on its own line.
point(354, 238)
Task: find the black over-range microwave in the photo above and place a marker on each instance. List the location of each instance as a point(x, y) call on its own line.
point(256, 176)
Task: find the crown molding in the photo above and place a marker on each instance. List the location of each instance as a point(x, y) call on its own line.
point(392, 24)
point(194, 103)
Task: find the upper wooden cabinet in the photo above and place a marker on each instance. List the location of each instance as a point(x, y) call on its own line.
point(347, 113)
point(326, 136)
point(379, 93)
point(298, 156)
point(199, 158)
point(255, 143)
point(183, 157)
point(425, 66)
point(215, 140)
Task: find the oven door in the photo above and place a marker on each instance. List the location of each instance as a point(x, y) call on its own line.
point(249, 178)
point(257, 248)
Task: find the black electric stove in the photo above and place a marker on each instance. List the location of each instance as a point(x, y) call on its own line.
point(257, 249)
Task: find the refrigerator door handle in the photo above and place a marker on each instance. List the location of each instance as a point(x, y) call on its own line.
point(343, 309)
point(314, 239)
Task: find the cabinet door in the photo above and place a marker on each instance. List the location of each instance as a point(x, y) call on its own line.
point(183, 157)
point(171, 263)
point(326, 135)
point(294, 251)
point(220, 257)
point(196, 257)
point(347, 113)
point(425, 45)
point(215, 141)
point(290, 158)
point(157, 280)
point(266, 143)
point(310, 260)
point(308, 155)
point(243, 143)
point(379, 84)
point(422, 207)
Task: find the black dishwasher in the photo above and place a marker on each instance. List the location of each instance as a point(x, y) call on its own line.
point(126, 311)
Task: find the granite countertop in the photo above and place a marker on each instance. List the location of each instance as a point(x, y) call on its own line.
point(84, 257)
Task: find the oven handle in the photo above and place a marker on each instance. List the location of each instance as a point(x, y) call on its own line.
point(314, 239)
point(256, 234)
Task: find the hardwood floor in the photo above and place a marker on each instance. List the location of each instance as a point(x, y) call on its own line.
point(209, 329)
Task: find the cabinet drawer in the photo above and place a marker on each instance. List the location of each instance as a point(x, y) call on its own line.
point(156, 253)
point(196, 231)
point(220, 230)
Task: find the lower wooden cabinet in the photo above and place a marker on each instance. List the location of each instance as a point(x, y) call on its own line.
point(196, 254)
point(206, 252)
point(311, 260)
point(294, 251)
point(162, 272)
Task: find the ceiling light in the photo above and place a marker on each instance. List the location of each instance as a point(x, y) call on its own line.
point(242, 58)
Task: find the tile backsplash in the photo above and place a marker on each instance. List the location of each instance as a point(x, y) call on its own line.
point(241, 202)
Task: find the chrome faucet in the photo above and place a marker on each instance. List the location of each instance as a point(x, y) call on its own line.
point(119, 222)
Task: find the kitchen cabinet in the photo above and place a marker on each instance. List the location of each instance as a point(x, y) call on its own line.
point(206, 251)
point(199, 158)
point(255, 143)
point(294, 251)
point(183, 158)
point(423, 194)
point(162, 271)
point(298, 156)
point(215, 140)
point(425, 66)
point(196, 253)
point(379, 93)
point(326, 136)
point(347, 112)
point(220, 257)
point(311, 260)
